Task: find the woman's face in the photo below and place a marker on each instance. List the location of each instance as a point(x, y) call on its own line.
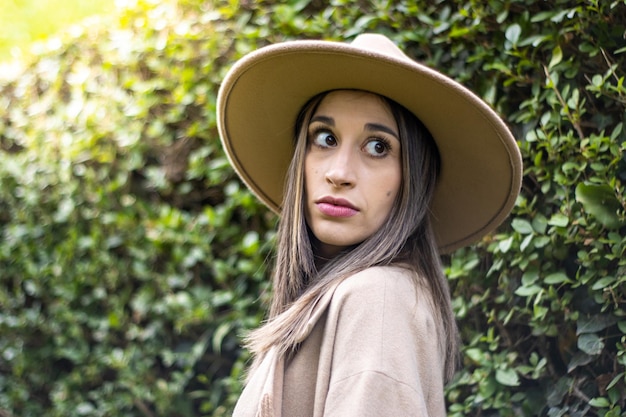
point(352, 169)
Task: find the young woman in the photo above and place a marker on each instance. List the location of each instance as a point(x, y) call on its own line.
point(377, 164)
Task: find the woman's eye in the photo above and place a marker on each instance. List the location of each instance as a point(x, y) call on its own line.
point(377, 147)
point(324, 139)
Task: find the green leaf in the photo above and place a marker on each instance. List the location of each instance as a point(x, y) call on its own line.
point(522, 226)
point(615, 380)
point(599, 402)
point(250, 242)
point(219, 335)
point(617, 130)
point(556, 278)
point(590, 343)
point(557, 57)
point(513, 33)
point(603, 282)
point(540, 223)
point(488, 387)
point(595, 323)
point(541, 241)
point(526, 242)
point(530, 277)
point(526, 291)
point(541, 16)
point(506, 244)
point(579, 359)
point(558, 220)
point(600, 202)
point(476, 355)
point(507, 377)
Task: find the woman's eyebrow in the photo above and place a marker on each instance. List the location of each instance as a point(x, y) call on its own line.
point(323, 119)
point(370, 127)
point(377, 127)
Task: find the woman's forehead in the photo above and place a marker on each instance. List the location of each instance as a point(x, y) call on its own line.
point(357, 104)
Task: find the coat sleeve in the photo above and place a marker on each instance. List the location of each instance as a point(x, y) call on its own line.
point(386, 359)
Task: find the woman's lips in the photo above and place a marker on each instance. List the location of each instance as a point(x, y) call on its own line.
point(336, 207)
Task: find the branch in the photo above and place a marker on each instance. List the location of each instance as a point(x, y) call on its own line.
point(575, 123)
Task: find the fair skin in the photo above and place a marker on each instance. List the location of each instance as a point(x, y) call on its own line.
point(352, 169)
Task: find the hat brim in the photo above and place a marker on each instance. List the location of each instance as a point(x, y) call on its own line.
point(263, 93)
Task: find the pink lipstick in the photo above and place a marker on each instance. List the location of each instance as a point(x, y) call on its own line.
point(336, 207)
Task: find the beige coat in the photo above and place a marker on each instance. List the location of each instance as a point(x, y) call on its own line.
point(371, 349)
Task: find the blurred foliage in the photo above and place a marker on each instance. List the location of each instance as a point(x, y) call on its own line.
point(132, 259)
point(26, 21)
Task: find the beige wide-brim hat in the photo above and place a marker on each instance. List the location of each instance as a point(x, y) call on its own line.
point(263, 93)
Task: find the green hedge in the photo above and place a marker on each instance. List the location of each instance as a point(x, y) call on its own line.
point(132, 259)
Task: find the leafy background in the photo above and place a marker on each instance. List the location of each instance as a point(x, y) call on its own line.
point(132, 259)
point(24, 22)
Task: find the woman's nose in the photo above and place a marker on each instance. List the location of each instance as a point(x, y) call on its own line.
point(340, 171)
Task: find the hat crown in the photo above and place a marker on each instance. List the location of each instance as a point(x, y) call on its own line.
point(380, 44)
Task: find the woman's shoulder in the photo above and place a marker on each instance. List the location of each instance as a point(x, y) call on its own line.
point(391, 303)
point(378, 278)
point(399, 286)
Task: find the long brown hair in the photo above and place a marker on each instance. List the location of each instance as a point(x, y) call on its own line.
point(406, 238)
